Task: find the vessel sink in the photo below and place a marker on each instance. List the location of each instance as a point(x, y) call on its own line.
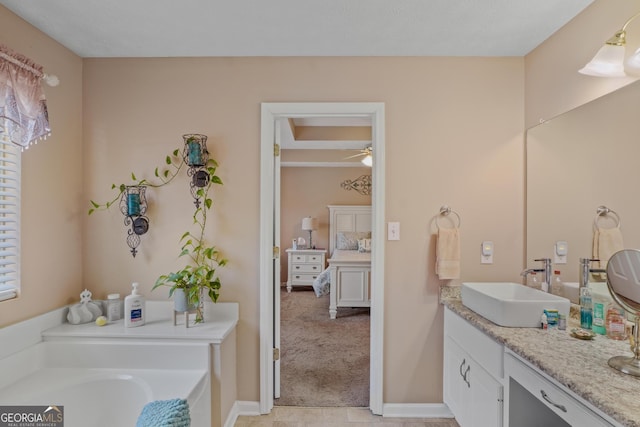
point(511, 304)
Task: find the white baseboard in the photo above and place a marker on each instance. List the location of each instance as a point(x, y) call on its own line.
point(396, 410)
point(416, 410)
point(241, 407)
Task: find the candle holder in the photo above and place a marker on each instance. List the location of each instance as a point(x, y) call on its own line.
point(196, 156)
point(133, 205)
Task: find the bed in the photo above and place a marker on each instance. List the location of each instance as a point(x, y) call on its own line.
point(347, 279)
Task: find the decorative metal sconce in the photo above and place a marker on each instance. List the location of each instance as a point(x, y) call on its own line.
point(362, 184)
point(133, 205)
point(196, 155)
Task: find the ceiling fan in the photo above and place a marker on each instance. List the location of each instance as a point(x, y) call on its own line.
point(367, 152)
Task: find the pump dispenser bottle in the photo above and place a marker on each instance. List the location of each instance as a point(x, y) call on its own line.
point(134, 308)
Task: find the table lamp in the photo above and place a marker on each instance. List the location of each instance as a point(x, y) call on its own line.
point(309, 224)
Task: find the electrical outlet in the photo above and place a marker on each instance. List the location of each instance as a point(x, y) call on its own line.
point(560, 251)
point(486, 252)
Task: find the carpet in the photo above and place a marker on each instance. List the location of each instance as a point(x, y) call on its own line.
point(323, 362)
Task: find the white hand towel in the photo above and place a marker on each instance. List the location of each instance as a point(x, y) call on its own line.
point(606, 242)
point(448, 253)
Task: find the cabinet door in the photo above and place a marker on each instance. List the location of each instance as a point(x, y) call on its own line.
point(456, 390)
point(485, 401)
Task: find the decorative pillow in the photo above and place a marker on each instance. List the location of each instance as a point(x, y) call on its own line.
point(364, 245)
point(348, 240)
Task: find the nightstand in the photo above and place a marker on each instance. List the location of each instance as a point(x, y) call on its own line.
point(304, 266)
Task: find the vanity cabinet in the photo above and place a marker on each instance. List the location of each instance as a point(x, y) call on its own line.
point(472, 374)
point(533, 399)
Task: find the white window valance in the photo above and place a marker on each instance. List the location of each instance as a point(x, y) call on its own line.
point(23, 108)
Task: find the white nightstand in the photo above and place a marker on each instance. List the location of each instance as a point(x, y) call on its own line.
point(304, 266)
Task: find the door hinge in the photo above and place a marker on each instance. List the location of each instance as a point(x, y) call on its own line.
point(276, 354)
point(276, 252)
point(276, 150)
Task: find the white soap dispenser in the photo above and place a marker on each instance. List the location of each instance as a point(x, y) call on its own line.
point(134, 308)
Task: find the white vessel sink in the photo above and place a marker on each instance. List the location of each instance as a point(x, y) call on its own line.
point(511, 304)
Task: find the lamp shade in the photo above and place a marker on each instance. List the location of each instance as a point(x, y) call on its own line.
point(309, 224)
point(608, 62)
point(367, 160)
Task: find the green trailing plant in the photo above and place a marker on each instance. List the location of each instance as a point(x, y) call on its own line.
point(174, 164)
point(198, 278)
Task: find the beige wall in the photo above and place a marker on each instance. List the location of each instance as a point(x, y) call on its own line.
point(453, 132)
point(307, 191)
point(52, 183)
point(454, 136)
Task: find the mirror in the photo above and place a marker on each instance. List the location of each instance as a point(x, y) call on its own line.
point(576, 162)
point(623, 280)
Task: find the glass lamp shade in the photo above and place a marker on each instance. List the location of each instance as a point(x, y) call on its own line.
point(634, 61)
point(608, 62)
point(367, 160)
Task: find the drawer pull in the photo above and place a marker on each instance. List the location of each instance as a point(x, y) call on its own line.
point(467, 380)
point(297, 267)
point(315, 267)
point(546, 397)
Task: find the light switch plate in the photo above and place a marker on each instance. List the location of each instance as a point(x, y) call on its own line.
point(393, 231)
point(486, 252)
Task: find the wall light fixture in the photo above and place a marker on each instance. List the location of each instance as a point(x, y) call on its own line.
point(196, 156)
point(609, 60)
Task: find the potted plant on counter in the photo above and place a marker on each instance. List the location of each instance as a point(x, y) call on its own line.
point(198, 279)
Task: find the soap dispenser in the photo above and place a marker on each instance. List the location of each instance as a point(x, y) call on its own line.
point(134, 308)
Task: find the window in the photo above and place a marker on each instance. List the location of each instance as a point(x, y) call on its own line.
point(10, 161)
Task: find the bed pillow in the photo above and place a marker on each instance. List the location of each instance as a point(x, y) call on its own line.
point(348, 240)
point(364, 245)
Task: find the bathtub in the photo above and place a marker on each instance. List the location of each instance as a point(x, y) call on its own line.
point(99, 384)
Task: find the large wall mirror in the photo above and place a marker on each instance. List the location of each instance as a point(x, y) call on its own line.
point(576, 162)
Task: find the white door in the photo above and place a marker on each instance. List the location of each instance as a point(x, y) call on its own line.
point(276, 259)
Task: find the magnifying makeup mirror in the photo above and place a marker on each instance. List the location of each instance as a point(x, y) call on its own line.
point(623, 280)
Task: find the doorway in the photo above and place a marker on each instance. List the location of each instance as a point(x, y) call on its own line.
point(269, 240)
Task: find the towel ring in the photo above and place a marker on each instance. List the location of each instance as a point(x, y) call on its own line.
point(604, 211)
point(446, 210)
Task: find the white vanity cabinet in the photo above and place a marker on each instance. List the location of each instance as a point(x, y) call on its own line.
point(533, 399)
point(472, 374)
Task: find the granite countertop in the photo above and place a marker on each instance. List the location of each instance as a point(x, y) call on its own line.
point(581, 366)
point(220, 321)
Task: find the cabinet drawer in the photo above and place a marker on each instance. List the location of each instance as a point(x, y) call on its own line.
point(307, 258)
point(297, 279)
point(553, 397)
point(305, 268)
point(487, 352)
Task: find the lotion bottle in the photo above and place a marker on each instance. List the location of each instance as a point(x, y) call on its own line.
point(134, 308)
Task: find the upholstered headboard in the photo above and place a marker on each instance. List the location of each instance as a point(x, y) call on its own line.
point(343, 218)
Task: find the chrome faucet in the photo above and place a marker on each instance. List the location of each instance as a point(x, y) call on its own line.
point(546, 270)
point(586, 270)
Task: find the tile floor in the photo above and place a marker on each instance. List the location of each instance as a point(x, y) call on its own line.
point(290, 416)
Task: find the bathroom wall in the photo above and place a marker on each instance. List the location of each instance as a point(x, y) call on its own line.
point(52, 183)
point(307, 191)
point(453, 134)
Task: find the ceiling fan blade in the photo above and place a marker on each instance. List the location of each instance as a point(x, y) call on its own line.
point(355, 155)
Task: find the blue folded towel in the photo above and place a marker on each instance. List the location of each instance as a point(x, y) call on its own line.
point(165, 413)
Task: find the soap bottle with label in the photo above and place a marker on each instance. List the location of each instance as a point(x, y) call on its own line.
point(586, 308)
point(599, 314)
point(134, 308)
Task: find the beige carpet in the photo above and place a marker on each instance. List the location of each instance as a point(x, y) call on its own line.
point(323, 362)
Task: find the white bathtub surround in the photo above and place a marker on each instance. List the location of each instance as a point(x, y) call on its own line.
point(97, 369)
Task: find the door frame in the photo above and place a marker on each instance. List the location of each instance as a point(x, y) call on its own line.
point(270, 112)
